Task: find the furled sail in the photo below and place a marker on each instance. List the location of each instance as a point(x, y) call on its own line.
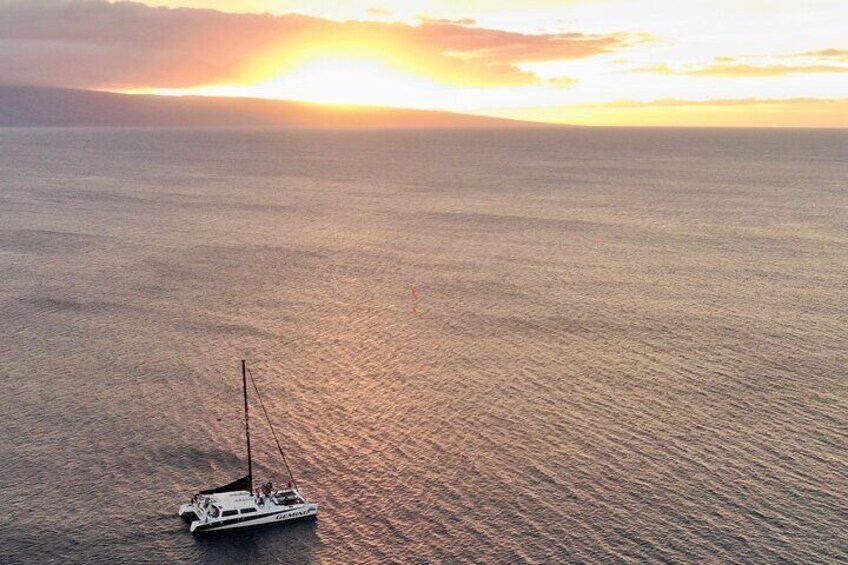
point(243, 483)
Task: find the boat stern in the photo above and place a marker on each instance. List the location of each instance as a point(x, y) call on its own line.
point(188, 512)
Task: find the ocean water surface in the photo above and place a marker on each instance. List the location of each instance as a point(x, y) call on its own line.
point(627, 345)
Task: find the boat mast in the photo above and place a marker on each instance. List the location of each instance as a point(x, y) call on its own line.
point(273, 431)
point(247, 424)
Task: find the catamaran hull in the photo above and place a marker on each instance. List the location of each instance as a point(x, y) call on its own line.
point(276, 517)
point(188, 513)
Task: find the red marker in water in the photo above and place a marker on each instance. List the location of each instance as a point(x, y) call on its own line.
point(414, 309)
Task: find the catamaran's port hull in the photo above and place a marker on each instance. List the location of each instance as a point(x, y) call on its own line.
point(307, 512)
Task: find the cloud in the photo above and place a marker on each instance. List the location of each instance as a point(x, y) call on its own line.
point(733, 67)
point(749, 70)
point(826, 54)
point(93, 43)
point(460, 22)
point(97, 44)
point(660, 69)
point(562, 83)
point(504, 47)
point(679, 102)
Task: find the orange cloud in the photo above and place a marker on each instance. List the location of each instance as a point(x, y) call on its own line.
point(732, 67)
point(505, 47)
point(747, 70)
point(96, 44)
point(680, 102)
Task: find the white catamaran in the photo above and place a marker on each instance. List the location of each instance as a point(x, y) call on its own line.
point(237, 505)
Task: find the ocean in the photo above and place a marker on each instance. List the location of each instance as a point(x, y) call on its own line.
point(577, 345)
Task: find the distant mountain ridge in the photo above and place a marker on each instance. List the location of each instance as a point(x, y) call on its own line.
point(28, 106)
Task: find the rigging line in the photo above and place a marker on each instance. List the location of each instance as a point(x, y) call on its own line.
point(273, 432)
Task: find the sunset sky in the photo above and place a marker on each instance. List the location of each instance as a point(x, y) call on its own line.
point(594, 62)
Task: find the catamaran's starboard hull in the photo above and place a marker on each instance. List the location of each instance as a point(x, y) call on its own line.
point(276, 517)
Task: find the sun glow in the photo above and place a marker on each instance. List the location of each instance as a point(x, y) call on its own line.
point(353, 81)
point(336, 80)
